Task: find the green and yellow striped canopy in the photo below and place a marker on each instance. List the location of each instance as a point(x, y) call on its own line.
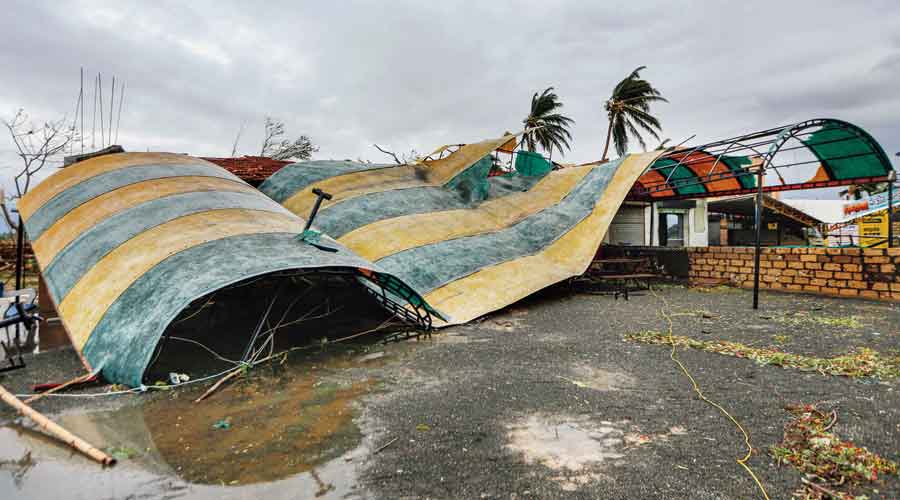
point(127, 241)
point(468, 243)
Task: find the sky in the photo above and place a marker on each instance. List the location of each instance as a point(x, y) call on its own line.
point(416, 75)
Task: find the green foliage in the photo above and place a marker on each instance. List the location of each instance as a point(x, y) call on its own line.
point(545, 126)
point(121, 453)
point(628, 109)
point(851, 322)
point(862, 362)
point(811, 448)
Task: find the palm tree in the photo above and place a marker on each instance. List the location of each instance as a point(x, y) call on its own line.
point(544, 126)
point(629, 109)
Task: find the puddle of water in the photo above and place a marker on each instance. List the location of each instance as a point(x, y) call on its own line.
point(566, 443)
point(288, 435)
point(33, 467)
point(275, 428)
point(575, 447)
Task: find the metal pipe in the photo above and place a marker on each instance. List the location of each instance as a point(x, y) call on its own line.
point(20, 264)
point(658, 187)
point(759, 220)
point(320, 195)
point(20, 254)
point(890, 208)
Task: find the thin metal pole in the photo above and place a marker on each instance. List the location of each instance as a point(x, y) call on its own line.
point(890, 208)
point(112, 100)
point(119, 119)
point(758, 213)
point(20, 262)
point(651, 225)
point(100, 106)
point(81, 92)
point(20, 252)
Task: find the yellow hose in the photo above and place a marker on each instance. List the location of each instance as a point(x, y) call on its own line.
point(673, 355)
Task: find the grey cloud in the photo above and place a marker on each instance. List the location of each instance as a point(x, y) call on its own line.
point(420, 74)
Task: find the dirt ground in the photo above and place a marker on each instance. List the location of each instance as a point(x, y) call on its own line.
point(546, 399)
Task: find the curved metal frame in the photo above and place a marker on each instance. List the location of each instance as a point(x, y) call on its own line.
point(776, 139)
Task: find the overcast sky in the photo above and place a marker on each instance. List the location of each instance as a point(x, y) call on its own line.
point(421, 74)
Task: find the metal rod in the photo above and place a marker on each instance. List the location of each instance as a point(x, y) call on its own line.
point(759, 220)
point(639, 195)
point(20, 252)
point(697, 180)
point(707, 148)
point(320, 195)
point(20, 264)
point(890, 208)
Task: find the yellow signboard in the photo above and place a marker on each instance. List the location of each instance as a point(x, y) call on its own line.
point(873, 229)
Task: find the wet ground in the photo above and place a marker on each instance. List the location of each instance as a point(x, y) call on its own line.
point(543, 400)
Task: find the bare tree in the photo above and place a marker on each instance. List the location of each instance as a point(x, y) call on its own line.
point(403, 159)
point(237, 139)
point(36, 146)
point(276, 148)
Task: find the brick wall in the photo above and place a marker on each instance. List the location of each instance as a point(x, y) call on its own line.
point(872, 273)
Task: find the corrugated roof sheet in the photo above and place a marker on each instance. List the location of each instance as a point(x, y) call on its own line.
point(252, 169)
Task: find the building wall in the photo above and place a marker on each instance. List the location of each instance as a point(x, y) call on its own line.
point(872, 273)
point(695, 220)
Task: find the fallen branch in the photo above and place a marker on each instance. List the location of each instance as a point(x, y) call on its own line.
point(822, 489)
point(55, 430)
point(833, 421)
point(218, 384)
point(240, 369)
point(385, 445)
point(88, 377)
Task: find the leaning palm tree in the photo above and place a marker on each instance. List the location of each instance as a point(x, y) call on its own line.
point(544, 126)
point(629, 109)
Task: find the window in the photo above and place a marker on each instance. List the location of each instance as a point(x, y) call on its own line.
point(671, 230)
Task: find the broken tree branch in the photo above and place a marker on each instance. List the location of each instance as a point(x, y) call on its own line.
point(87, 377)
point(55, 430)
point(821, 489)
point(236, 372)
point(385, 445)
point(389, 153)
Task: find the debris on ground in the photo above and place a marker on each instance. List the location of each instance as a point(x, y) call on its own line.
point(862, 362)
point(829, 463)
point(851, 322)
point(122, 452)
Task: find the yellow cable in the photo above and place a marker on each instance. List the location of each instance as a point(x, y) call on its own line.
point(741, 461)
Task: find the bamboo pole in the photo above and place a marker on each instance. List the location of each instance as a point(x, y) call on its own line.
point(55, 430)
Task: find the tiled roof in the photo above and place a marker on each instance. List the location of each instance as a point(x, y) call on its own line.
point(253, 169)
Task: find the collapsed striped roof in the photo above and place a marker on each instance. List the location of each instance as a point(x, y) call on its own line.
point(467, 243)
point(127, 241)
